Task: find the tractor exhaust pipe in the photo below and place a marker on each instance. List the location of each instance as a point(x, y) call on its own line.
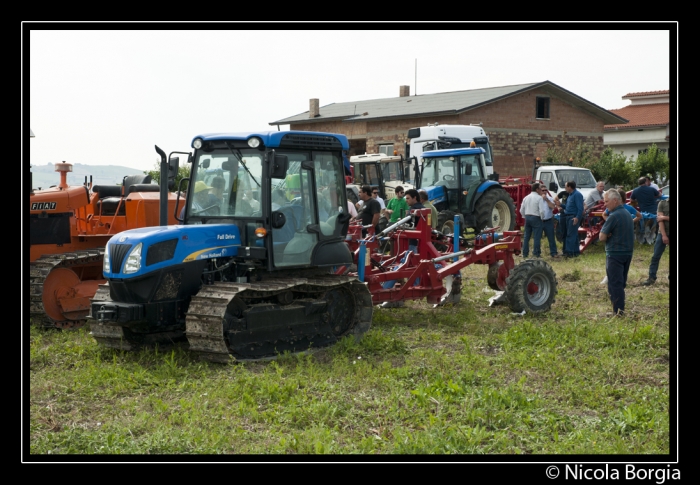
point(163, 187)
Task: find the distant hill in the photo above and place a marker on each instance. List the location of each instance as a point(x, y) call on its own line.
point(44, 176)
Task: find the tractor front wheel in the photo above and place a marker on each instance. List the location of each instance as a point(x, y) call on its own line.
point(531, 287)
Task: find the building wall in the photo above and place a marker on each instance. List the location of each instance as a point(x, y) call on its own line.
point(629, 142)
point(516, 135)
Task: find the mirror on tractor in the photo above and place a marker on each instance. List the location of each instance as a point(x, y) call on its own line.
point(173, 167)
point(280, 164)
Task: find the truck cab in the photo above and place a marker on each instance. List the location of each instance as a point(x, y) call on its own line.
point(436, 137)
point(555, 177)
point(381, 171)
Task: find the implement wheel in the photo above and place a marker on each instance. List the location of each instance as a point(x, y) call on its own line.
point(492, 276)
point(446, 223)
point(531, 287)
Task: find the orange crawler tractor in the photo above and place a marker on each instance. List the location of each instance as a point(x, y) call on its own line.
point(69, 227)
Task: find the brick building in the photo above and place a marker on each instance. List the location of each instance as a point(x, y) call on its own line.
point(520, 120)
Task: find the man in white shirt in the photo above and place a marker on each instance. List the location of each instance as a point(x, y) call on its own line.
point(595, 195)
point(351, 209)
point(548, 221)
point(651, 184)
point(592, 199)
point(531, 209)
point(375, 194)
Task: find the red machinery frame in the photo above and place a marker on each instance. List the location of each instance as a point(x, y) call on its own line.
point(420, 275)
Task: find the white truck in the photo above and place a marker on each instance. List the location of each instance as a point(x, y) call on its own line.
point(436, 137)
point(385, 172)
point(555, 177)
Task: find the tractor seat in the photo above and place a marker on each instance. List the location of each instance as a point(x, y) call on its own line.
point(107, 190)
point(108, 206)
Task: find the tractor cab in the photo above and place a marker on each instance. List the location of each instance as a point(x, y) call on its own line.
point(452, 177)
point(287, 201)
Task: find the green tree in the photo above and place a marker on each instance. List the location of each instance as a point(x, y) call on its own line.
point(576, 151)
point(653, 163)
point(614, 168)
point(182, 172)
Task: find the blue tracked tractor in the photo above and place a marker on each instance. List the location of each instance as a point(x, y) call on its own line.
point(249, 271)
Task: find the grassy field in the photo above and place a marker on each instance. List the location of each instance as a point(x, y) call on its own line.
point(466, 380)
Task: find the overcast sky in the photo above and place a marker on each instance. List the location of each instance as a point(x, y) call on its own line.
point(106, 97)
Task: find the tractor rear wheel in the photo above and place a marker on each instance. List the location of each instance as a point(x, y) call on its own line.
point(495, 209)
point(531, 287)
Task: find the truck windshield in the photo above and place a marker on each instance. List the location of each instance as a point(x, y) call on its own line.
point(583, 178)
point(392, 171)
point(226, 184)
point(366, 173)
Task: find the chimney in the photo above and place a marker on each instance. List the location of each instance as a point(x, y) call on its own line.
point(313, 108)
point(404, 91)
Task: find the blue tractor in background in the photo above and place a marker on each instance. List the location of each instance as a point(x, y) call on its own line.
point(456, 184)
point(248, 272)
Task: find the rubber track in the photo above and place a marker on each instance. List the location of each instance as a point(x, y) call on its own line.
point(39, 271)
point(205, 316)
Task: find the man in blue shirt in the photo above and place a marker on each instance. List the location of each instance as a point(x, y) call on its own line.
point(618, 235)
point(574, 214)
point(636, 215)
point(647, 199)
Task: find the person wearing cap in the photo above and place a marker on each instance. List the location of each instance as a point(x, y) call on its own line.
point(204, 202)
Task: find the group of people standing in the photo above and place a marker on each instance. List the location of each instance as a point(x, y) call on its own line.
point(617, 232)
point(538, 210)
point(371, 206)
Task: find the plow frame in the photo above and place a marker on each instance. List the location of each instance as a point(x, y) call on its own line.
point(420, 275)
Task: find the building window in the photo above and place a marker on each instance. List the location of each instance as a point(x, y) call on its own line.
point(386, 149)
point(542, 107)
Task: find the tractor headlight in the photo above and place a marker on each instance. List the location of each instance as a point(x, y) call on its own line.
point(106, 268)
point(254, 142)
point(133, 261)
point(197, 143)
